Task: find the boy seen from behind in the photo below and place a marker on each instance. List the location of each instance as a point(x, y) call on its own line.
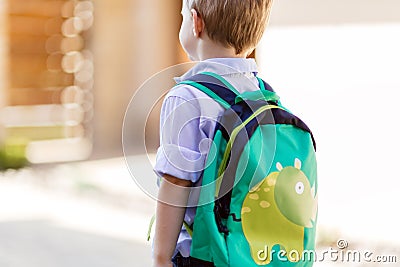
point(219, 34)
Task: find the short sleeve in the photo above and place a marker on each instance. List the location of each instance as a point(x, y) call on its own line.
point(183, 144)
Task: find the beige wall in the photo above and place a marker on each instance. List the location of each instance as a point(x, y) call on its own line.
point(132, 39)
point(290, 12)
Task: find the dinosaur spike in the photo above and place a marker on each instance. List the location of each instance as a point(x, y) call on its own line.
point(315, 203)
point(279, 166)
point(297, 163)
point(313, 191)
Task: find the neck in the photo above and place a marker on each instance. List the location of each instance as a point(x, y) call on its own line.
point(209, 49)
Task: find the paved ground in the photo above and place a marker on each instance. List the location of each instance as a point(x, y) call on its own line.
point(81, 215)
point(92, 214)
point(42, 243)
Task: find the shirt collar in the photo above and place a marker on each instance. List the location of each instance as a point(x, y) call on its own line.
point(222, 66)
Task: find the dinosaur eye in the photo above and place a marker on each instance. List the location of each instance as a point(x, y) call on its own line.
point(299, 188)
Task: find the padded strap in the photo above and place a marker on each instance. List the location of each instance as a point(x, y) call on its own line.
point(215, 87)
point(258, 95)
point(219, 89)
point(264, 85)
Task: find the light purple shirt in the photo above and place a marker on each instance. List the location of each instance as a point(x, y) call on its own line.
point(187, 122)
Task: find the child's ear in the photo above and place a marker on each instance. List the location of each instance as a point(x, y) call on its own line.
point(198, 23)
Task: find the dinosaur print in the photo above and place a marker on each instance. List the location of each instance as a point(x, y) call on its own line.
point(277, 210)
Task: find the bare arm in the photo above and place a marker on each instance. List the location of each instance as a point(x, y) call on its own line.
point(169, 218)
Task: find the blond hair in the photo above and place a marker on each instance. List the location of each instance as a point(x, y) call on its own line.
point(234, 23)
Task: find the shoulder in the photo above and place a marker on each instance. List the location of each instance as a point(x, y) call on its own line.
point(188, 96)
point(180, 101)
point(185, 92)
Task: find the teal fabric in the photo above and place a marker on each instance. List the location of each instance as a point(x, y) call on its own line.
point(207, 242)
point(257, 95)
point(257, 161)
point(275, 196)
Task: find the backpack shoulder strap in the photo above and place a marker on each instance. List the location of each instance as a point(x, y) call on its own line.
point(264, 85)
point(215, 87)
point(219, 89)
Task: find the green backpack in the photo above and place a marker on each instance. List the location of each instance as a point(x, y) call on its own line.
point(258, 197)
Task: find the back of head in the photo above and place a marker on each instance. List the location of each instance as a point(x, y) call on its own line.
point(234, 23)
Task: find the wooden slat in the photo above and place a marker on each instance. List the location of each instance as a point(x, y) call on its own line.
point(35, 63)
point(22, 64)
point(29, 96)
point(75, 43)
point(28, 44)
point(27, 61)
point(3, 58)
point(36, 8)
point(44, 80)
point(31, 39)
point(43, 45)
point(38, 26)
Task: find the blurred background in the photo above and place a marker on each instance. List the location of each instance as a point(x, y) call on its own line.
point(69, 68)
